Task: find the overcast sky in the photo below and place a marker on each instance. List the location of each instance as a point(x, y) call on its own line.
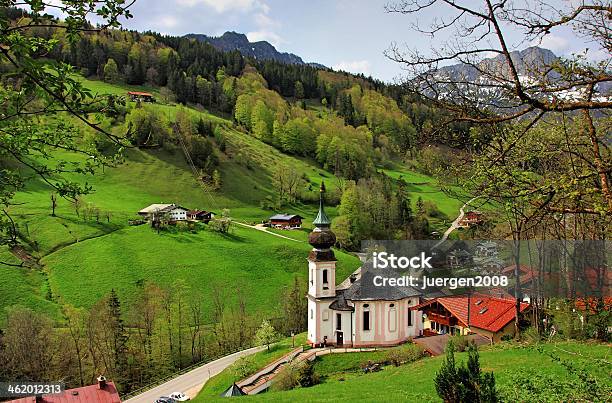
point(344, 34)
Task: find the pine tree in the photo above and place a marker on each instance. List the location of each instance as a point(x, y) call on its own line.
point(465, 384)
point(295, 309)
point(119, 336)
point(298, 91)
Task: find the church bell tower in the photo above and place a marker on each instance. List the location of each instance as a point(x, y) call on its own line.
point(321, 259)
point(321, 277)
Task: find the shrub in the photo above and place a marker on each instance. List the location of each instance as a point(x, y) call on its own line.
point(405, 354)
point(287, 378)
point(243, 367)
point(460, 342)
point(306, 375)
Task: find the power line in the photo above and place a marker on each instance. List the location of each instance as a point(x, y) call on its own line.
point(196, 172)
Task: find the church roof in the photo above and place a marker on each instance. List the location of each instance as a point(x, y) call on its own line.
point(340, 304)
point(363, 288)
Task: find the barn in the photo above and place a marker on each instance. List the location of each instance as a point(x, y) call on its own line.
point(286, 221)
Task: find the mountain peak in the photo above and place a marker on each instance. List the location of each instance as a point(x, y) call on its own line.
point(260, 50)
point(234, 36)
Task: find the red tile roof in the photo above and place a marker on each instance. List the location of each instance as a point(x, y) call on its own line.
point(86, 394)
point(486, 312)
point(591, 303)
point(143, 94)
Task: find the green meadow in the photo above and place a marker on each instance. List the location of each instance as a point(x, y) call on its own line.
point(259, 264)
point(415, 382)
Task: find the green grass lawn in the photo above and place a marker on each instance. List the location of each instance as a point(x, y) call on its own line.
point(414, 382)
point(219, 383)
point(260, 264)
point(427, 188)
point(24, 287)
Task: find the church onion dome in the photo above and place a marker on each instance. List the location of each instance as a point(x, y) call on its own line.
point(322, 238)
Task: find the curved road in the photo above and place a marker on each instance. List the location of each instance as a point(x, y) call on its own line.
point(455, 223)
point(191, 382)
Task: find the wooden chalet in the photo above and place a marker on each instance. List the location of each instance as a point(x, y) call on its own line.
point(485, 315)
point(200, 215)
point(471, 218)
point(286, 221)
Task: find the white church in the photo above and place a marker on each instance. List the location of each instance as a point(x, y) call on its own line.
point(344, 315)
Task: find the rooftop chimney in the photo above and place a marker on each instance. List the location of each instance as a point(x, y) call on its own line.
point(101, 382)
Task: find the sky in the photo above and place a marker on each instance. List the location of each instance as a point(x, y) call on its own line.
point(349, 35)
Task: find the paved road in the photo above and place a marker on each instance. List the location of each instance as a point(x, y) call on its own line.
point(455, 223)
point(192, 381)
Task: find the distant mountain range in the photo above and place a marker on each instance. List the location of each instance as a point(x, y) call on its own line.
point(526, 61)
point(529, 63)
point(260, 50)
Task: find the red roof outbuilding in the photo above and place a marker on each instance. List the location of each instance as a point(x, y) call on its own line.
point(141, 94)
point(87, 394)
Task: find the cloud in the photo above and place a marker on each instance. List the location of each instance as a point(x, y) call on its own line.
point(221, 6)
point(265, 27)
point(264, 35)
point(553, 42)
point(355, 66)
point(167, 21)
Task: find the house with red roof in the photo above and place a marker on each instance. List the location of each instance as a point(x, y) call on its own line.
point(102, 392)
point(488, 316)
point(141, 96)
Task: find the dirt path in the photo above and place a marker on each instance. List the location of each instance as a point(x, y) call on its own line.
point(260, 227)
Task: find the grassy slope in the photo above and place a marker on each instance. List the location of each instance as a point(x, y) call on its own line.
point(24, 287)
point(154, 176)
point(259, 264)
point(414, 382)
point(425, 186)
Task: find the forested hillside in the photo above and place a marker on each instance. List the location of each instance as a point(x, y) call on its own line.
point(262, 137)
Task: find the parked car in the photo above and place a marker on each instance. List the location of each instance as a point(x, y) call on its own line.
point(180, 396)
point(165, 399)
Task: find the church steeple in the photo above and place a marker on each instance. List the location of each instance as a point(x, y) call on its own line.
point(322, 220)
point(322, 238)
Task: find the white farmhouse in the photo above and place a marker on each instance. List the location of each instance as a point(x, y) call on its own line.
point(341, 315)
point(170, 212)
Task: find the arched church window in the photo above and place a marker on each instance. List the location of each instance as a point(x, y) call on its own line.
point(366, 317)
point(392, 318)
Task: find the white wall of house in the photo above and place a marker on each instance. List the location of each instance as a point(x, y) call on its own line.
point(177, 214)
